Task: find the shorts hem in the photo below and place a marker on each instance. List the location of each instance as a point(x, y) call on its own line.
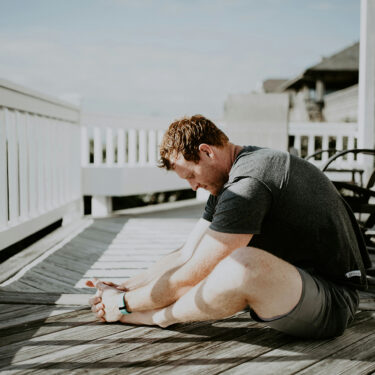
point(257, 318)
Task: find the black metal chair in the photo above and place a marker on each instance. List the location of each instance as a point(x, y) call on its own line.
point(356, 195)
point(358, 198)
point(332, 152)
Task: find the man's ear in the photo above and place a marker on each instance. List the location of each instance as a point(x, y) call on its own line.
point(207, 149)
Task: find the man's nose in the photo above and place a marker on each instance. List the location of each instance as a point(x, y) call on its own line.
point(194, 185)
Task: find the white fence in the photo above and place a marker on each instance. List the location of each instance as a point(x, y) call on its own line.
point(119, 162)
point(48, 162)
point(107, 146)
point(310, 137)
point(40, 173)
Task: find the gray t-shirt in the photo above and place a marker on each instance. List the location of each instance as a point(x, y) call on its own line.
point(293, 211)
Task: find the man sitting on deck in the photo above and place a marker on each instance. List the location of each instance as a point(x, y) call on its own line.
point(275, 236)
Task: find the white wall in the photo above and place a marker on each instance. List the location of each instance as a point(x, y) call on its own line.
point(257, 119)
point(103, 120)
point(341, 106)
point(298, 111)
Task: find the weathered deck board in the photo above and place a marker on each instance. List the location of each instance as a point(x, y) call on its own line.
point(34, 313)
point(137, 341)
point(301, 354)
point(144, 239)
point(35, 350)
point(20, 260)
point(209, 359)
point(237, 345)
point(19, 298)
point(22, 286)
point(41, 326)
point(46, 332)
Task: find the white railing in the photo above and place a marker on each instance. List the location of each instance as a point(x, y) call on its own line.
point(39, 162)
point(120, 147)
point(311, 137)
point(122, 162)
point(41, 146)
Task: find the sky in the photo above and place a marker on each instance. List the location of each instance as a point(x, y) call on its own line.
point(166, 58)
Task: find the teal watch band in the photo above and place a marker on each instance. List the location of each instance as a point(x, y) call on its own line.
point(121, 304)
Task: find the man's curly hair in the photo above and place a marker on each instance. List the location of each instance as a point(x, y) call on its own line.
point(184, 136)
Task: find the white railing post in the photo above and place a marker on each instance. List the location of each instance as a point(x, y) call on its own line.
point(297, 144)
point(311, 144)
point(65, 149)
point(101, 205)
point(61, 164)
point(40, 163)
point(325, 146)
point(23, 161)
point(366, 85)
point(48, 162)
point(109, 147)
point(132, 147)
point(350, 147)
point(77, 172)
point(339, 143)
point(121, 147)
point(152, 149)
point(3, 171)
point(85, 153)
point(98, 149)
point(142, 147)
point(12, 167)
point(33, 164)
point(55, 161)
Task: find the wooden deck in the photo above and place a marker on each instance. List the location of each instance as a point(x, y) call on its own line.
point(46, 327)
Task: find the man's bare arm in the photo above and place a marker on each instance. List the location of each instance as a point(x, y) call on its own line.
point(171, 261)
point(175, 282)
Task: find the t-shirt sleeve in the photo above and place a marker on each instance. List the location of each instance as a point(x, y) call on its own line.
point(209, 210)
point(242, 207)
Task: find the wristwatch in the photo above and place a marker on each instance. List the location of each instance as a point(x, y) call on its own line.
point(121, 304)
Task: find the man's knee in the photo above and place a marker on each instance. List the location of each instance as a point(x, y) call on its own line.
point(251, 257)
point(256, 268)
point(245, 265)
point(270, 285)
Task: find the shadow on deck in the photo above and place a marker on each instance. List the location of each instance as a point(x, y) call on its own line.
point(44, 327)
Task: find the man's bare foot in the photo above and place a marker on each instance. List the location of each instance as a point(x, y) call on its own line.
point(105, 303)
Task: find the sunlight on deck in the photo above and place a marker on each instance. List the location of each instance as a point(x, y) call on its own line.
point(137, 246)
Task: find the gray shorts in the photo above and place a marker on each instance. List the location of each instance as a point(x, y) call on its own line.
point(324, 310)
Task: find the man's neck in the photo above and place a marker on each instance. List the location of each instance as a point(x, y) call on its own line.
point(232, 153)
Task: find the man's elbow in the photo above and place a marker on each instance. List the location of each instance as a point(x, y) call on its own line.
point(183, 280)
point(177, 288)
point(185, 255)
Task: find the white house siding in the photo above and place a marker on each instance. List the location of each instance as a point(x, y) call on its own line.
point(341, 106)
point(298, 111)
point(259, 119)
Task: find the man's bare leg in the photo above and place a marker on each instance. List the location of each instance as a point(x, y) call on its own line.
point(248, 276)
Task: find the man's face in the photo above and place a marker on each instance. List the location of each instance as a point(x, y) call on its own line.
point(207, 173)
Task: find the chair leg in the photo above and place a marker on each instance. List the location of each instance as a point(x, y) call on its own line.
point(370, 222)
